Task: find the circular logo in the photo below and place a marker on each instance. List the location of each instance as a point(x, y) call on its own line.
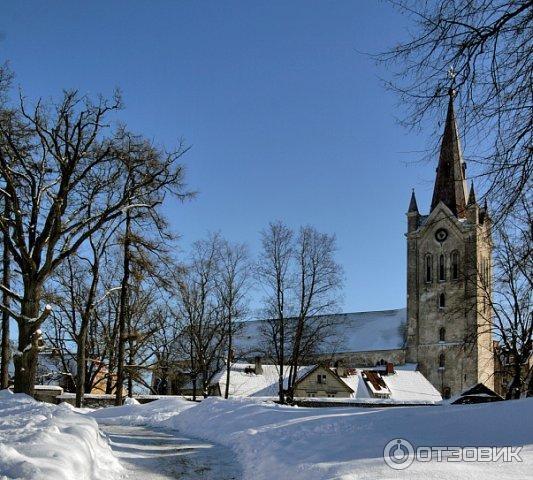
point(399, 454)
point(441, 234)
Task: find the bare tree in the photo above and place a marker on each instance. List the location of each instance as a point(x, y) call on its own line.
point(302, 282)
point(232, 283)
point(80, 280)
point(275, 277)
point(509, 302)
point(488, 45)
point(319, 279)
point(204, 334)
point(5, 354)
point(62, 168)
point(6, 281)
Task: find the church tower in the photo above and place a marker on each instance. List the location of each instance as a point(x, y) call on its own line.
point(449, 278)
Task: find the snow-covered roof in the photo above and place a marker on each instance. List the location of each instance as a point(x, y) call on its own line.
point(244, 384)
point(358, 332)
point(406, 384)
point(410, 385)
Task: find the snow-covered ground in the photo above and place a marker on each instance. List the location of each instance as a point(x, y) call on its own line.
point(159, 454)
point(39, 441)
point(273, 441)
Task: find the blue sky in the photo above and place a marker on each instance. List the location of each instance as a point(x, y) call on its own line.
point(285, 118)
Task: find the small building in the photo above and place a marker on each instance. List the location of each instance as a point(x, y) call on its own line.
point(479, 393)
point(379, 384)
point(404, 384)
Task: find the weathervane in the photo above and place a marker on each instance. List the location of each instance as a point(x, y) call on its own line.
point(451, 75)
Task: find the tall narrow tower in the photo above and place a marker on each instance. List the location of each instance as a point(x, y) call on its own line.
point(449, 278)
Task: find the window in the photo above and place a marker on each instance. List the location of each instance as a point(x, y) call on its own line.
point(320, 378)
point(331, 395)
point(442, 334)
point(428, 268)
point(446, 392)
point(442, 360)
point(442, 301)
point(455, 265)
point(442, 269)
point(311, 395)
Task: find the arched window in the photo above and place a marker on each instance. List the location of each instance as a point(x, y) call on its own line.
point(428, 268)
point(442, 334)
point(455, 265)
point(442, 268)
point(442, 360)
point(442, 300)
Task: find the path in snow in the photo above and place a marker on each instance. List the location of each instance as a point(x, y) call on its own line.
point(152, 454)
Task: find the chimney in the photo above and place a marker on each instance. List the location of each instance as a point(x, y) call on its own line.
point(339, 368)
point(258, 366)
point(390, 368)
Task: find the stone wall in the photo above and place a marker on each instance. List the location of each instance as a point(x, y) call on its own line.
point(451, 342)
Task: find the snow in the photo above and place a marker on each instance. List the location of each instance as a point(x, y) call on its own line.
point(273, 441)
point(361, 331)
point(131, 401)
point(158, 454)
point(157, 412)
point(49, 388)
point(41, 441)
point(244, 384)
point(406, 385)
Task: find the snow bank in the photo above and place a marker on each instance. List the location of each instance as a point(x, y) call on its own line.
point(44, 441)
point(274, 441)
point(153, 413)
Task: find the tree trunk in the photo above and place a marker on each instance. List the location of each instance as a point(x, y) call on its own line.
point(110, 370)
point(516, 384)
point(4, 356)
point(25, 359)
point(130, 363)
point(81, 354)
point(295, 358)
point(123, 312)
point(229, 359)
point(80, 365)
point(281, 360)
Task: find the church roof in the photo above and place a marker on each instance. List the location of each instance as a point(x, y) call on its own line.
point(450, 183)
point(357, 332)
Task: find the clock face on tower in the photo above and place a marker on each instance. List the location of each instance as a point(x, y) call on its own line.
point(441, 234)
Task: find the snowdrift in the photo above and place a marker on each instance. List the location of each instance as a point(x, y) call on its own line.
point(154, 413)
point(41, 441)
point(274, 441)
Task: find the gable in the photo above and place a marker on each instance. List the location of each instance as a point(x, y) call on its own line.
point(440, 217)
point(331, 378)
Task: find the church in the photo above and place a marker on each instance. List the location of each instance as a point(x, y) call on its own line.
point(446, 328)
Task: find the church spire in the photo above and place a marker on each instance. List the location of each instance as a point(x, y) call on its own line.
point(472, 195)
point(413, 207)
point(450, 183)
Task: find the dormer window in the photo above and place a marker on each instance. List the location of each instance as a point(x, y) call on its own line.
point(442, 268)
